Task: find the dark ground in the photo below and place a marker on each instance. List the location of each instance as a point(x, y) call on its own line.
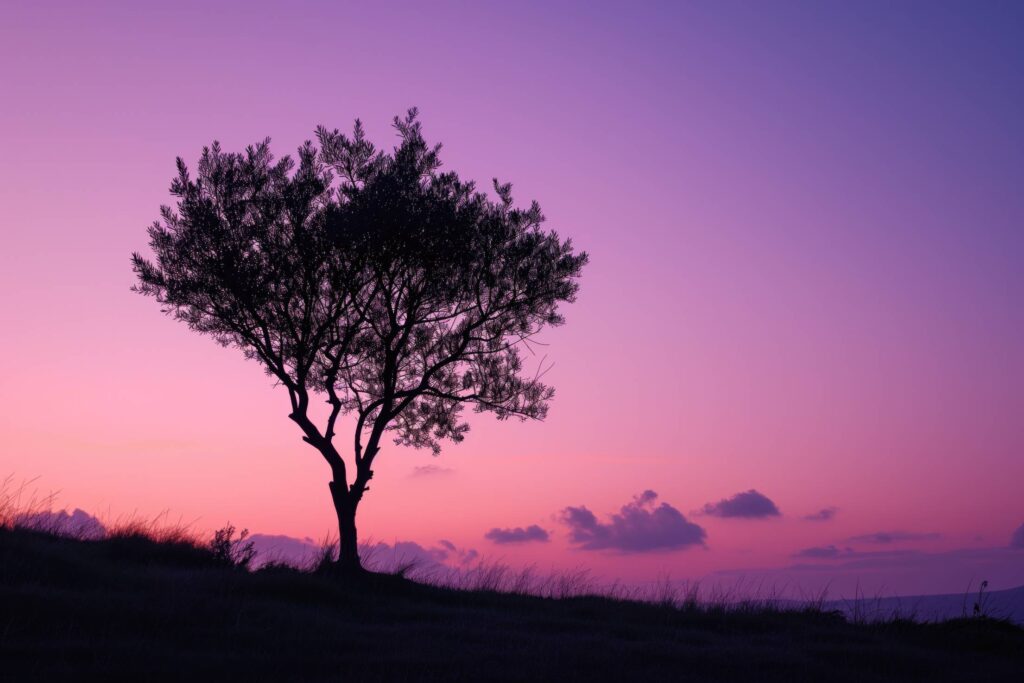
point(129, 608)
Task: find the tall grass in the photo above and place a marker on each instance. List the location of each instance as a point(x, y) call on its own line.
point(19, 502)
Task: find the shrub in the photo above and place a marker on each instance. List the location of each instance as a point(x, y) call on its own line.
point(236, 552)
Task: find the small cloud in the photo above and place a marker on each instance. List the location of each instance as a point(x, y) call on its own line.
point(827, 552)
point(886, 537)
point(748, 505)
point(430, 470)
point(517, 535)
point(1017, 540)
point(638, 527)
point(822, 515)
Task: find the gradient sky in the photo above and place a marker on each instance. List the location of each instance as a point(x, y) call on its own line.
point(806, 226)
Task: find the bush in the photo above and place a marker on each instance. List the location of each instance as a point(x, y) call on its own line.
point(236, 552)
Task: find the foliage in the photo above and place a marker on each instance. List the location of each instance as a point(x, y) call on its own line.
point(397, 292)
point(236, 552)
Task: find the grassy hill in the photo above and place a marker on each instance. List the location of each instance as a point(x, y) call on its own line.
point(132, 608)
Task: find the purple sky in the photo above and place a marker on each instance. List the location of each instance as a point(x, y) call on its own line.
point(805, 223)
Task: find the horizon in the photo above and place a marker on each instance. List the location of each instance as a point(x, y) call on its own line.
point(804, 224)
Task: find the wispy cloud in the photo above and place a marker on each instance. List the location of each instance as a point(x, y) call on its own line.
point(887, 537)
point(822, 515)
point(430, 471)
point(827, 552)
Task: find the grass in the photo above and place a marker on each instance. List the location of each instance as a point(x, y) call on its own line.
point(149, 604)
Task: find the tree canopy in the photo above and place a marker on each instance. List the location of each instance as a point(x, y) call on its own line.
point(394, 290)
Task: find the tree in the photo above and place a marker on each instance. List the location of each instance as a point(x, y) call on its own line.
point(398, 293)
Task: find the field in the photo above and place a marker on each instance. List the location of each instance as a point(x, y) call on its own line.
point(131, 607)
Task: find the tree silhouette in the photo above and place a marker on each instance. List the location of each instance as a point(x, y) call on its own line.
point(396, 292)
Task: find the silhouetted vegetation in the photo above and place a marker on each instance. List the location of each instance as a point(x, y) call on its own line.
point(129, 607)
point(237, 552)
point(396, 292)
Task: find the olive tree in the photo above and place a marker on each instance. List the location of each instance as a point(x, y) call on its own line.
point(372, 280)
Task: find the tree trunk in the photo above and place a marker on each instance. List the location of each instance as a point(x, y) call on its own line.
point(348, 541)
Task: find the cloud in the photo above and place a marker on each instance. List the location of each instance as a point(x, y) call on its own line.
point(886, 537)
point(827, 552)
point(748, 505)
point(78, 524)
point(423, 560)
point(430, 470)
point(1017, 540)
point(638, 527)
point(517, 535)
point(298, 552)
point(822, 515)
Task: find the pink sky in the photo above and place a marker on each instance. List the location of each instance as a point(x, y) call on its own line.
point(805, 228)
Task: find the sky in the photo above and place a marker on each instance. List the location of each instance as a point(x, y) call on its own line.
point(805, 230)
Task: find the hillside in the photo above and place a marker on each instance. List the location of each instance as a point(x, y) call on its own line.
point(130, 608)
